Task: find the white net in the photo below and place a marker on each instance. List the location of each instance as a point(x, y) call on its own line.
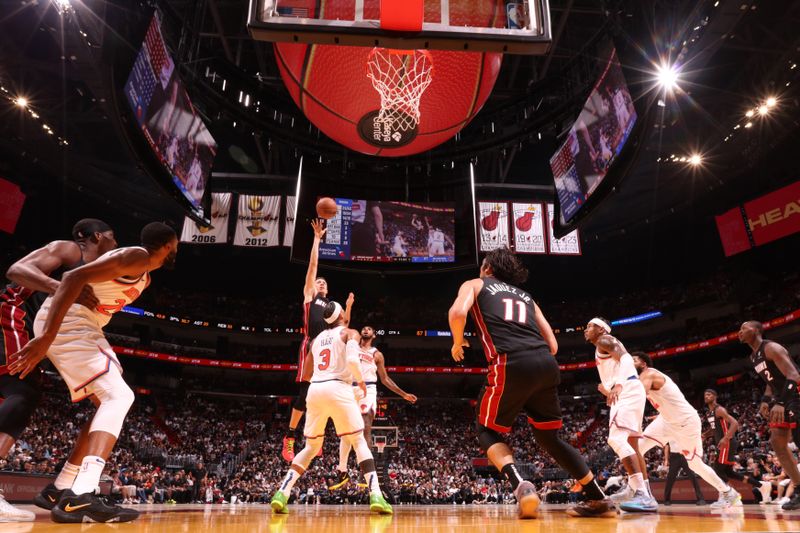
point(400, 77)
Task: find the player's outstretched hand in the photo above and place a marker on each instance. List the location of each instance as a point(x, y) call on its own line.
point(457, 351)
point(319, 229)
point(411, 398)
point(350, 299)
point(28, 358)
point(87, 298)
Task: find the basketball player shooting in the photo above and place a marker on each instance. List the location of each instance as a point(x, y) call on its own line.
point(523, 376)
point(625, 395)
point(335, 360)
point(373, 366)
point(71, 336)
point(34, 277)
point(781, 402)
point(315, 299)
point(678, 422)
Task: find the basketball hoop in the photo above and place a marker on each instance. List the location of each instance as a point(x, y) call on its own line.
point(380, 442)
point(400, 77)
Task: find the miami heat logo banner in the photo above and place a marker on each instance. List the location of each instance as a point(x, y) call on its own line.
point(217, 232)
point(492, 225)
point(529, 228)
point(568, 245)
point(258, 221)
point(288, 231)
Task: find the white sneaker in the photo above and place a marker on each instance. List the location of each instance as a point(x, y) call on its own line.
point(729, 498)
point(9, 513)
point(622, 495)
point(782, 501)
point(766, 492)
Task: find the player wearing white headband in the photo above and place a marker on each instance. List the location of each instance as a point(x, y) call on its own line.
point(626, 396)
point(334, 354)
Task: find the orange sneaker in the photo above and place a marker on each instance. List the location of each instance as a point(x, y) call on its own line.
point(288, 449)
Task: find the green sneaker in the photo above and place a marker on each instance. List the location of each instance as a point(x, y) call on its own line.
point(279, 503)
point(378, 505)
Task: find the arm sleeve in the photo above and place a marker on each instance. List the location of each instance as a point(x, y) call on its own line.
point(353, 363)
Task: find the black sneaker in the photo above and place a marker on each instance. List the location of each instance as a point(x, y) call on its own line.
point(793, 503)
point(48, 498)
point(72, 509)
point(340, 482)
point(593, 508)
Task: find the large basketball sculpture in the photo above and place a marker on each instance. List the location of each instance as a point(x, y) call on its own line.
point(387, 102)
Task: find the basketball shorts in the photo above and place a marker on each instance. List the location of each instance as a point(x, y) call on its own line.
point(80, 353)
point(15, 326)
point(724, 453)
point(521, 381)
point(625, 416)
point(683, 438)
point(436, 249)
point(332, 399)
point(791, 414)
point(370, 401)
point(305, 345)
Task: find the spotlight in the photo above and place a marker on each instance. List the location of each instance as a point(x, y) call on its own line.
point(748, 125)
point(667, 77)
point(772, 101)
point(21, 101)
point(63, 6)
point(696, 160)
point(749, 113)
point(763, 110)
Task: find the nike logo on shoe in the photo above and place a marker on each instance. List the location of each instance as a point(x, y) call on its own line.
point(70, 508)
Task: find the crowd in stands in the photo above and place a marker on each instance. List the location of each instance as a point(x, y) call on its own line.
point(196, 448)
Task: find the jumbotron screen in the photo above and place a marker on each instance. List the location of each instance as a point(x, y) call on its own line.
point(166, 116)
point(594, 141)
point(401, 232)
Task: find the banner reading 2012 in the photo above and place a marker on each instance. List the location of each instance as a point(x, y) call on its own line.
point(258, 221)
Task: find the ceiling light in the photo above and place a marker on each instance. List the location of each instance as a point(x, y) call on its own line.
point(696, 160)
point(771, 101)
point(748, 125)
point(763, 110)
point(21, 101)
point(749, 113)
point(667, 77)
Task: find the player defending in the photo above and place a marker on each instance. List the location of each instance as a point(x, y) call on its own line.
point(34, 277)
point(679, 423)
point(315, 298)
point(781, 402)
point(71, 336)
point(625, 395)
point(723, 427)
point(334, 354)
point(523, 375)
point(373, 366)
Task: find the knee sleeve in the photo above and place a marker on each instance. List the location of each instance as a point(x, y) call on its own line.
point(359, 444)
point(115, 402)
point(565, 455)
point(309, 452)
point(20, 400)
point(619, 443)
point(487, 437)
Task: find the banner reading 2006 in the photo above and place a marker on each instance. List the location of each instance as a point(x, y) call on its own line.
point(217, 232)
point(258, 221)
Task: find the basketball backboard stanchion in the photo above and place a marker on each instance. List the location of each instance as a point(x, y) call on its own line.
point(513, 27)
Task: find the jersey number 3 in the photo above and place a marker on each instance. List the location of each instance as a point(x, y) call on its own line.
point(522, 311)
point(325, 355)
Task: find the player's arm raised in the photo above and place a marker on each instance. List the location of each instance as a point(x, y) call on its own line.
point(33, 271)
point(457, 316)
point(380, 363)
point(313, 261)
point(733, 424)
point(545, 329)
point(350, 337)
point(128, 262)
point(778, 355)
point(348, 308)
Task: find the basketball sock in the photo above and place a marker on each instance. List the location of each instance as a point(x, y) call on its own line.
point(344, 454)
point(67, 476)
point(88, 479)
point(372, 482)
point(593, 491)
point(636, 481)
point(513, 475)
point(288, 482)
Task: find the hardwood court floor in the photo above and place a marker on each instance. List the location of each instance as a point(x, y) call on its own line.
point(410, 519)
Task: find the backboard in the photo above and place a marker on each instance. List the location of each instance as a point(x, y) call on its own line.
point(507, 26)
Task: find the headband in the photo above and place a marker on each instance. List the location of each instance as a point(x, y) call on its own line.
point(601, 323)
point(337, 310)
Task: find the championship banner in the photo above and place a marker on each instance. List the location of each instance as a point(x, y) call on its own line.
point(493, 221)
point(774, 215)
point(217, 232)
point(288, 228)
point(529, 228)
point(570, 244)
point(258, 221)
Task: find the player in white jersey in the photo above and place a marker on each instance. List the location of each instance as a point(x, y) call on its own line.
point(625, 395)
point(71, 336)
point(678, 423)
point(436, 240)
point(335, 356)
point(373, 366)
point(399, 245)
